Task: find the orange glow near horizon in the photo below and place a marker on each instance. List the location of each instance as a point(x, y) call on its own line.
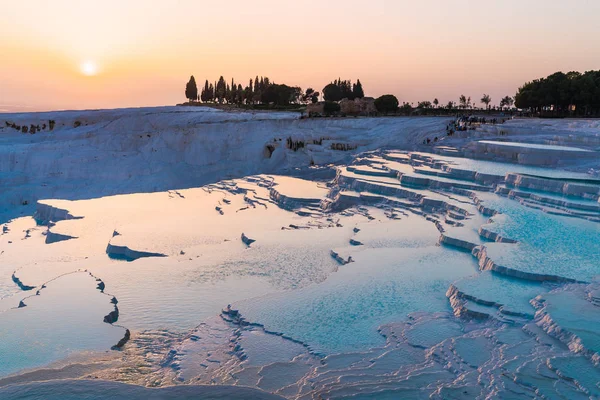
point(139, 53)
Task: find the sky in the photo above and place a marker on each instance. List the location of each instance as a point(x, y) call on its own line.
point(80, 54)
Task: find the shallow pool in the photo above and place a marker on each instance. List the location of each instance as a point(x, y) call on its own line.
point(533, 145)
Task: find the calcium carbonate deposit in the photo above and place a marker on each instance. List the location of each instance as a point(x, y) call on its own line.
point(189, 246)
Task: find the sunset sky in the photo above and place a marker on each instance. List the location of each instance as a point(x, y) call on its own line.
point(66, 54)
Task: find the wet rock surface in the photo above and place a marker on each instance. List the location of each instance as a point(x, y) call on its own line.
point(405, 274)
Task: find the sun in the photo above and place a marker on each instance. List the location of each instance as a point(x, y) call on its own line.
point(89, 68)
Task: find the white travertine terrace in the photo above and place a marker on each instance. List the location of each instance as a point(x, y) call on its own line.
point(395, 269)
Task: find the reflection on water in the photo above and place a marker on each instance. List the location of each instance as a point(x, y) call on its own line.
point(533, 145)
point(390, 268)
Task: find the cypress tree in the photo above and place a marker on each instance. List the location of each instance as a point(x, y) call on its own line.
point(347, 89)
point(248, 94)
point(211, 93)
point(240, 94)
point(205, 95)
point(221, 90)
point(357, 90)
point(191, 90)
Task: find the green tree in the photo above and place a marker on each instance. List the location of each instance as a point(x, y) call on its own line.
point(332, 92)
point(462, 100)
point(239, 98)
point(205, 94)
point(573, 93)
point(386, 103)
point(220, 90)
point(331, 107)
point(248, 93)
point(310, 96)
point(436, 102)
point(232, 93)
point(405, 108)
point(357, 90)
point(211, 92)
point(280, 95)
point(506, 102)
point(486, 99)
point(346, 88)
point(191, 90)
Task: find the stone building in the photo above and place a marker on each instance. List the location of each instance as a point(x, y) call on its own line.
point(367, 106)
point(315, 109)
point(364, 106)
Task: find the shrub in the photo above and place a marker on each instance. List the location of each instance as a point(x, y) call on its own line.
point(330, 107)
point(332, 92)
point(386, 103)
point(406, 108)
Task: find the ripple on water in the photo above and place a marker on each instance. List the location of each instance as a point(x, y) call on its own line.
point(548, 244)
point(381, 286)
point(79, 307)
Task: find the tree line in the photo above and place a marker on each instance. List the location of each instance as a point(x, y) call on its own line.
point(465, 103)
point(560, 94)
point(258, 91)
point(339, 89)
point(262, 91)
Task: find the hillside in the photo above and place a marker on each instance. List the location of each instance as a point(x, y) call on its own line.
point(151, 149)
